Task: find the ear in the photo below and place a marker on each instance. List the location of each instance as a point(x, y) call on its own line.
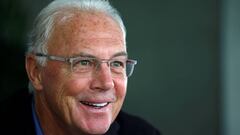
point(33, 71)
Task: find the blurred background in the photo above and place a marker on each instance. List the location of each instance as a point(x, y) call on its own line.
point(187, 81)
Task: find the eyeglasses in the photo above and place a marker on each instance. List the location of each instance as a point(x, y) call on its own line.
point(85, 66)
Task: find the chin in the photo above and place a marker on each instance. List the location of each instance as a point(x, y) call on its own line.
point(96, 129)
point(94, 125)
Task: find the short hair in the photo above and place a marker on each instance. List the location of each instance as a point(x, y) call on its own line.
point(44, 23)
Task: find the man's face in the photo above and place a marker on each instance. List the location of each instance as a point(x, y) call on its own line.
point(72, 98)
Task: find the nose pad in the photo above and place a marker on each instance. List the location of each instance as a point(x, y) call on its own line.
point(102, 78)
point(99, 63)
point(102, 65)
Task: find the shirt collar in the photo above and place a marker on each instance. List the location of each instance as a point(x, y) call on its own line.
point(36, 121)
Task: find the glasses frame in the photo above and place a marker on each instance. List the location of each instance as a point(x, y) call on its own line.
point(70, 60)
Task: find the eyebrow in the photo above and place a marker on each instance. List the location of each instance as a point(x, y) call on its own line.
point(120, 54)
point(82, 54)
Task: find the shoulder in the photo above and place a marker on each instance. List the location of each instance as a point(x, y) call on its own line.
point(130, 125)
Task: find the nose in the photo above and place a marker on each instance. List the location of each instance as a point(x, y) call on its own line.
point(102, 79)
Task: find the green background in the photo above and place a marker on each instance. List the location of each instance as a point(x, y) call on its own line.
point(186, 79)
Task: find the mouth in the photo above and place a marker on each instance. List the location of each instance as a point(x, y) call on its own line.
point(95, 105)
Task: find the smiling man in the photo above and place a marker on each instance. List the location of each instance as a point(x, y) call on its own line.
point(78, 67)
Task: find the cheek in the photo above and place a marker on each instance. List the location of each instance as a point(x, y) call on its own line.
point(73, 86)
point(53, 82)
point(59, 91)
point(50, 82)
point(121, 89)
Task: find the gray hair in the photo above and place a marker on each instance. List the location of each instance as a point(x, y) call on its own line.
point(44, 23)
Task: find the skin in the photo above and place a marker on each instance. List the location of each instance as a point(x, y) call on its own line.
point(58, 91)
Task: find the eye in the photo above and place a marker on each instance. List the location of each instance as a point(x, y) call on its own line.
point(117, 64)
point(83, 63)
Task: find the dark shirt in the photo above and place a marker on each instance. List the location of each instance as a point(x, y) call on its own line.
point(17, 118)
point(36, 121)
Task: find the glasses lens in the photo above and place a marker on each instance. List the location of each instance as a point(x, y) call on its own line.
point(130, 67)
point(89, 66)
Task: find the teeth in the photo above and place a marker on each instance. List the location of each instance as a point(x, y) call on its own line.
point(94, 104)
point(100, 104)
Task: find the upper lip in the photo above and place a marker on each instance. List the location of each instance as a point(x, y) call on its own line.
point(97, 101)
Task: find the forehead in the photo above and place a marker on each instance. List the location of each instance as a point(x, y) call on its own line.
point(86, 31)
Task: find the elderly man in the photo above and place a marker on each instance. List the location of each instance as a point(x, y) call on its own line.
point(78, 67)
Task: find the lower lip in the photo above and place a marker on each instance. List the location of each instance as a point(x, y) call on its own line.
point(90, 109)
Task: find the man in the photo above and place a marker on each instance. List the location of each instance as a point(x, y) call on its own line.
point(77, 65)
